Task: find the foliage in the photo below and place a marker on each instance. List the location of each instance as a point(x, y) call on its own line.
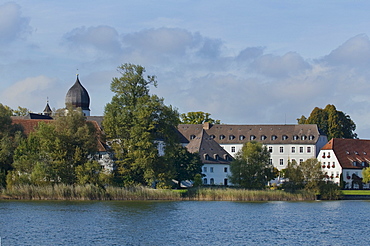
point(334, 123)
point(197, 118)
point(251, 168)
point(20, 111)
point(293, 175)
point(366, 175)
point(10, 136)
point(52, 152)
point(185, 165)
point(135, 123)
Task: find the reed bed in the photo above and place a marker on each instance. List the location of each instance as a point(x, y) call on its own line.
point(86, 192)
point(91, 192)
point(229, 194)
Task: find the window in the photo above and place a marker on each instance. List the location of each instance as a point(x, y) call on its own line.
point(270, 161)
point(293, 149)
point(233, 149)
point(285, 137)
point(216, 157)
point(205, 181)
point(212, 181)
point(300, 149)
point(206, 157)
point(281, 162)
point(308, 149)
point(295, 137)
point(300, 161)
point(231, 137)
point(311, 137)
point(204, 169)
point(273, 137)
point(303, 137)
point(294, 161)
point(270, 149)
point(241, 137)
point(192, 137)
point(222, 137)
point(263, 137)
point(281, 149)
point(252, 137)
point(225, 169)
point(211, 169)
point(212, 136)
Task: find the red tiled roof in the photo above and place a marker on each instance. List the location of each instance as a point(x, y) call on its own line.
point(30, 126)
point(349, 151)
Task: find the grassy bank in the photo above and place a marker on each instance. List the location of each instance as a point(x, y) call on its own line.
point(90, 192)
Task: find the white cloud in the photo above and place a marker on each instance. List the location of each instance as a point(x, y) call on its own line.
point(29, 93)
point(12, 24)
point(100, 39)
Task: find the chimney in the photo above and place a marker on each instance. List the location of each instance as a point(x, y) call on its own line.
point(207, 125)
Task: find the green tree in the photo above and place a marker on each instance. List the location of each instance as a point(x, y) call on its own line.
point(135, 122)
point(312, 174)
point(197, 118)
point(366, 175)
point(293, 175)
point(185, 165)
point(20, 111)
point(251, 168)
point(53, 151)
point(334, 123)
point(10, 136)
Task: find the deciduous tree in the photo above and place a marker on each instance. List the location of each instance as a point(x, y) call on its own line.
point(334, 123)
point(197, 118)
point(251, 168)
point(135, 122)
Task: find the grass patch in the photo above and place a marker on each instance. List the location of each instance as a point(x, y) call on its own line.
point(356, 192)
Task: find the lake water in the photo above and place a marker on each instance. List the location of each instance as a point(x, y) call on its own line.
point(184, 223)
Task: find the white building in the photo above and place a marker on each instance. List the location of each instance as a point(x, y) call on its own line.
point(345, 158)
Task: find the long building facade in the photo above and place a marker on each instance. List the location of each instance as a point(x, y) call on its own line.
point(284, 142)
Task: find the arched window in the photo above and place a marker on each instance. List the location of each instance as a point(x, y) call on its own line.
point(205, 181)
point(212, 181)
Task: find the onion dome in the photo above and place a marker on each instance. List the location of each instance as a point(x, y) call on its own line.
point(78, 96)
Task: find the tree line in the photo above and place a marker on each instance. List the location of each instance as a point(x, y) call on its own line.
point(135, 124)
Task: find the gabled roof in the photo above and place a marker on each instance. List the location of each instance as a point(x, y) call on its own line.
point(350, 152)
point(266, 134)
point(209, 150)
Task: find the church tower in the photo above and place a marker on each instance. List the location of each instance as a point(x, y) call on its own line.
point(78, 96)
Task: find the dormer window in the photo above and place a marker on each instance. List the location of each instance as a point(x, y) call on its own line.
point(273, 137)
point(285, 137)
point(222, 137)
point(212, 136)
point(354, 163)
point(241, 137)
point(311, 137)
point(295, 137)
point(206, 157)
point(303, 137)
point(216, 157)
point(263, 137)
point(231, 137)
point(252, 137)
point(192, 137)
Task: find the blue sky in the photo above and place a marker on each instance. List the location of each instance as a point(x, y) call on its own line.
point(245, 62)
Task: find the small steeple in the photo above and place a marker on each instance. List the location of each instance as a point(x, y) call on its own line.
point(47, 110)
point(78, 97)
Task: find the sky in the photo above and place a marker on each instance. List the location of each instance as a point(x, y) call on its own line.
point(244, 62)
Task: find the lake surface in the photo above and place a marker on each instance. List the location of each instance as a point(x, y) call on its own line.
point(184, 223)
